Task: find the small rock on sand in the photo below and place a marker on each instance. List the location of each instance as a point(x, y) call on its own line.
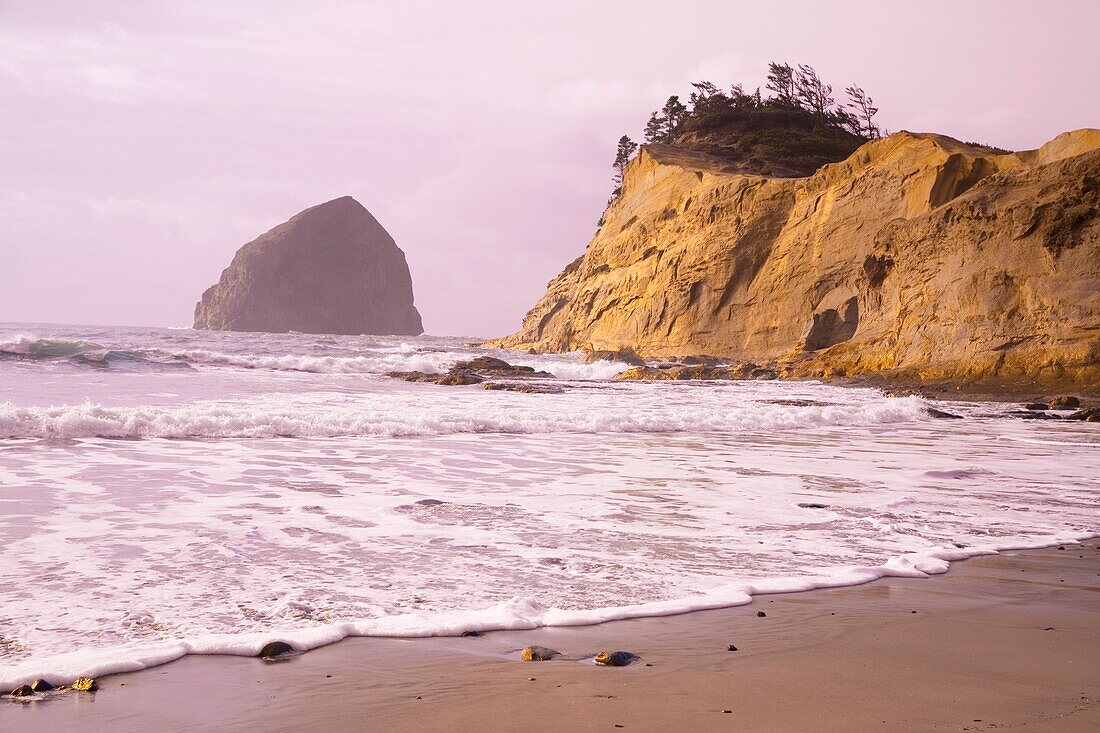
point(614, 659)
point(22, 691)
point(760, 614)
point(85, 684)
point(275, 649)
point(537, 654)
point(41, 685)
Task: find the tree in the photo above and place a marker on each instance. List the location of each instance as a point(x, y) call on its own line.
point(622, 157)
point(653, 129)
point(812, 94)
point(865, 111)
point(673, 114)
point(706, 97)
point(781, 81)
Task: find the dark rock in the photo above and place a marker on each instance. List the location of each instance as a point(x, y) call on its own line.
point(1035, 406)
point(330, 269)
point(760, 614)
point(682, 372)
point(414, 376)
point(430, 502)
point(524, 388)
point(731, 648)
point(1033, 415)
point(537, 654)
point(458, 379)
point(471, 633)
point(615, 659)
point(940, 414)
point(275, 649)
point(1090, 415)
point(41, 685)
point(627, 356)
point(1065, 402)
point(22, 691)
point(814, 506)
point(493, 367)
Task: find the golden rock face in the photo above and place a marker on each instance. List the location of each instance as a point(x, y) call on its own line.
point(918, 256)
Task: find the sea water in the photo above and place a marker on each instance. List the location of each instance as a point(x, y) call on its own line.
point(166, 492)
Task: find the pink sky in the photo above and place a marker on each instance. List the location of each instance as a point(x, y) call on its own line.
point(142, 143)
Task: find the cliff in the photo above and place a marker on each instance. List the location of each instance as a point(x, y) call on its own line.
point(917, 257)
point(330, 269)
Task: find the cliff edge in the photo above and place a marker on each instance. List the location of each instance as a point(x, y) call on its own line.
point(917, 257)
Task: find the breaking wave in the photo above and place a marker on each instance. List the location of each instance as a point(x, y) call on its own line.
point(482, 413)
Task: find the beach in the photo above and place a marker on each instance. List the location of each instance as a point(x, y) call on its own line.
point(1008, 641)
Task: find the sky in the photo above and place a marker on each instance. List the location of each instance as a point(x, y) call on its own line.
point(141, 144)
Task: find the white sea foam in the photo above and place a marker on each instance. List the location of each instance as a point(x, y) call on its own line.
point(300, 512)
point(516, 613)
point(411, 414)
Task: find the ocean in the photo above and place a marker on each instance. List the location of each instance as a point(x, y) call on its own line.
point(166, 492)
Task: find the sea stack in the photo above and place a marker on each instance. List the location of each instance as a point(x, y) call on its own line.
point(330, 269)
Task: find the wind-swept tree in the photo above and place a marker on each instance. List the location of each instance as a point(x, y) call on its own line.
point(653, 129)
point(865, 111)
point(812, 94)
point(781, 82)
point(706, 97)
point(622, 157)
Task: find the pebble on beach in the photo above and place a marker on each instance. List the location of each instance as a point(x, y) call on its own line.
point(22, 691)
point(538, 654)
point(275, 649)
point(760, 614)
point(85, 684)
point(731, 648)
point(614, 659)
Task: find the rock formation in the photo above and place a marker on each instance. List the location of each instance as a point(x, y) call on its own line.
point(330, 269)
point(918, 257)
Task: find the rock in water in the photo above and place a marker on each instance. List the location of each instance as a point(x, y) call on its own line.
point(275, 649)
point(85, 684)
point(41, 686)
point(537, 654)
point(330, 269)
point(22, 691)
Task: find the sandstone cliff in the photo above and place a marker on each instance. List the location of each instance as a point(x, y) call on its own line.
point(330, 269)
point(917, 257)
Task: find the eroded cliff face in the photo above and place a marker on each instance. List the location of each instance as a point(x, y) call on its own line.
point(331, 269)
point(918, 256)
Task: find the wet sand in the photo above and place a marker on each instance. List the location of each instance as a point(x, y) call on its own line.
point(1002, 642)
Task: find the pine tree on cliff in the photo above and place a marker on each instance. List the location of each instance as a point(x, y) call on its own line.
point(812, 94)
point(865, 111)
point(673, 114)
point(622, 157)
point(653, 129)
point(781, 82)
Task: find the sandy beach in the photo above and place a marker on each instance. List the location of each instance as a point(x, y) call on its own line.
point(1000, 642)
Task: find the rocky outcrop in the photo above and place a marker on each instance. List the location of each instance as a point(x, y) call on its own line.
point(918, 257)
point(330, 269)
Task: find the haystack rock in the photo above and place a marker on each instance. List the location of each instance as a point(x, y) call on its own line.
point(330, 269)
point(916, 257)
